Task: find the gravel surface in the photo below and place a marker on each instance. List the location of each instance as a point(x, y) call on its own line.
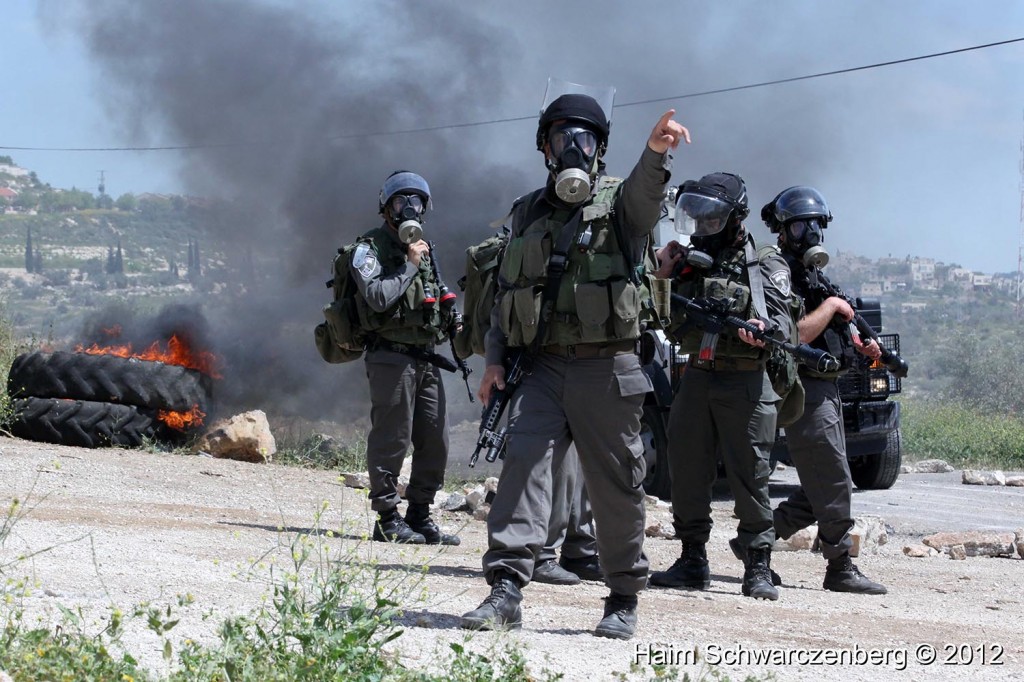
point(126, 526)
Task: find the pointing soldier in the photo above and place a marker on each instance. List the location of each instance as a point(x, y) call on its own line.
point(586, 385)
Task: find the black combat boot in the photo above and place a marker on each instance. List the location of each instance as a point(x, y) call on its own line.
point(689, 570)
point(740, 553)
point(757, 579)
point(619, 620)
point(418, 518)
point(587, 567)
point(548, 571)
point(843, 576)
point(500, 610)
point(391, 528)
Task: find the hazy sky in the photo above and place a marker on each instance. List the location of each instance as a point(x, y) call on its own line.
point(920, 158)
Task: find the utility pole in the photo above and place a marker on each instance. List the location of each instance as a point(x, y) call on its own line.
point(1020, 239)
point(103, 185)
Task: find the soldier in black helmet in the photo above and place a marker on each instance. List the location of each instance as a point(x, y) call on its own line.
point(399, 307)
point(586, 385)
point(816, 441)
point(725, 405)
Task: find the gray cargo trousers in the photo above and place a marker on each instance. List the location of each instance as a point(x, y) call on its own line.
point(596, 404)
point(571, 527)
point(817, 446)
point(727, 414)
point(407, 407)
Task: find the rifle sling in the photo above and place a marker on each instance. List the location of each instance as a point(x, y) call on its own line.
point(756, 283)
point(557, 265)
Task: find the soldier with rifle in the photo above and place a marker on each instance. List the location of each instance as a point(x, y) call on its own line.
point(725, 406)
point(405, 310)
point(817, 442)
point(561, 356)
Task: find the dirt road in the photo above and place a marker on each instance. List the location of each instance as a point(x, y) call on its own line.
point(127, 526)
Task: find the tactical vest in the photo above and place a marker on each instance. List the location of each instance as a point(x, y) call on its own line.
point(601, 297)
point(410, 320)
point(727, 279)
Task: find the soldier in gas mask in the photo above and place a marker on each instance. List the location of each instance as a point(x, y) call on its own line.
point(399, 306)
point(725, 405)
point(817, 443)
point(579, 328)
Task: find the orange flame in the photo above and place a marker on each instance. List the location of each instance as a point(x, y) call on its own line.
point(182, 420)
point(177, 353)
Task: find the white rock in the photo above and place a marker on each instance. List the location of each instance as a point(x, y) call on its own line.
point(971, 477)
point(918, 551)
point(455, 502)
point(475, 496)
point(867, 534)
point(357, 480)
point(974, 542)
point(660, 530)
point(245, 437)
point(933, 466)
point(800, 540)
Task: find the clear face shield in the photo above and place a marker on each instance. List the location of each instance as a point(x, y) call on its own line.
point(700, 215)
point(604, 95)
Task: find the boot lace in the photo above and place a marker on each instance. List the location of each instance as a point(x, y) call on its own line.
point(499, 591)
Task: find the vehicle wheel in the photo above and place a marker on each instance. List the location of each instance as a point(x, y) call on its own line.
point(878, 472)
point(107, 379)
point(658, 481)
point(83, 423)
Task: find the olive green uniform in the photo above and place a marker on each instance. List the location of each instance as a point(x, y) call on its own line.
point(586, 386)
point(406, 394)
point(727, 410)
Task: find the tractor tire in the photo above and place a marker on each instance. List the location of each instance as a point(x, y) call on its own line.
point(878, 472)
point(653, 433)
point(85, 424)
point(108, 379)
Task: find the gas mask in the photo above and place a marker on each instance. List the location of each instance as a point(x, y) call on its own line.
point(572, 160)
point(407, 214)
point(804, 238)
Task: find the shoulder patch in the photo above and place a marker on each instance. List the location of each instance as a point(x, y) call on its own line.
point(365, 260)
point(360, 255)
point(780, 278)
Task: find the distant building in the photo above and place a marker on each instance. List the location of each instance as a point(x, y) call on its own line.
point(981, 281)
point(871, 290)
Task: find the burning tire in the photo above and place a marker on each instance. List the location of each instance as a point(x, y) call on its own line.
point(108, 379)
point(85, 423)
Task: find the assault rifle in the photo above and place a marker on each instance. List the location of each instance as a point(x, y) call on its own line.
point(817, 288)
point(447, 298)
point(712, 315)
point(491, 437)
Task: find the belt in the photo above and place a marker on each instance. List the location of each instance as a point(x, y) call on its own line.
point(591, 350)
point(395, 347)
point(726, 364)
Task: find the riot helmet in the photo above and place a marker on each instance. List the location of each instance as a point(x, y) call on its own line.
point(710, 211)
point(572, 131)
point(404, 200)
point(799, 215)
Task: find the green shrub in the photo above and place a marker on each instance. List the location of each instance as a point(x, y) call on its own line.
point(10, 347)
point(961, 435)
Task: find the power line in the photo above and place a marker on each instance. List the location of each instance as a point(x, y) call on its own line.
point(474, 124)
